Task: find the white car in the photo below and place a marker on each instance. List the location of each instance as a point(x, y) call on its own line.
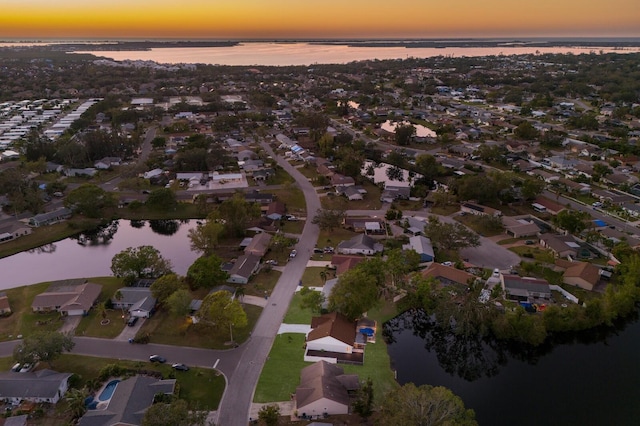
point(293, 253)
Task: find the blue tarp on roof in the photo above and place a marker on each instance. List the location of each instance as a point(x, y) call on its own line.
point(599, 223)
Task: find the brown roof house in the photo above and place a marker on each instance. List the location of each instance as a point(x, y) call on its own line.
point(581, 274)
point(448, 275)
point(324, 390)
point(5, 307)
point(69, 297)
point(333, 338)
point(259, 244)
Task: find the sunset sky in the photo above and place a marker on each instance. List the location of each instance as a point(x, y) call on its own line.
point(229, 19)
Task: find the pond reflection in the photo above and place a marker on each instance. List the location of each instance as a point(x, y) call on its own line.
point(580, 378)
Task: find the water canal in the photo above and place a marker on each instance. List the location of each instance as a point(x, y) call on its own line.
point(90, 254)
point(587, 379)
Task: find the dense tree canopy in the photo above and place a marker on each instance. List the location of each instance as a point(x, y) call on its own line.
point(89, 200)
point(139, 262)
point(425, 406)
point(42, 346)
point(206, 272)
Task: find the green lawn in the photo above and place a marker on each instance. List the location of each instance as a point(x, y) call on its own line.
point(333, 237)
point(311, 276)
point(281, 372)
point(293, 227)
point(445, 210)
point(90, 325)
point(536, 253)
point(168, 329)
point(264, 281)
point(295, 314)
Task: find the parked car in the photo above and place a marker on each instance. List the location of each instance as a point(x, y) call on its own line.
point(180, 367)
point(529, 242)
point(16, 367)
point(157, 358)
point(272, 262)
point(132, 321)
point(26, 368)
point(328, 249)
point(447, 263)
point(318, 250)
point(293, 253)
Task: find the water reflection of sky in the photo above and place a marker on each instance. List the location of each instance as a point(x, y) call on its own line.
point(68, 259)
point(282, 54)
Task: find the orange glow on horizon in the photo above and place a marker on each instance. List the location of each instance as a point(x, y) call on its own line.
point(316, 19)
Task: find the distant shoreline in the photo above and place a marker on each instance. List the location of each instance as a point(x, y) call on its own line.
point(142, 45)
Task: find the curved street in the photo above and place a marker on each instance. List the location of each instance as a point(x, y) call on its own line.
point(241, 383)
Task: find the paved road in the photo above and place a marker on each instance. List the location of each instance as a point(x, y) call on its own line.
point(236, 401)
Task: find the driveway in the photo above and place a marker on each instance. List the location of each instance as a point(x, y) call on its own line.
point(130, 332)
point(70, 324)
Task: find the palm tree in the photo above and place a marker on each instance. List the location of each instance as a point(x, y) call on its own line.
point(75, 398)
point(102, 308)
point(323, 276)
point(118, 296)
point(240, 293)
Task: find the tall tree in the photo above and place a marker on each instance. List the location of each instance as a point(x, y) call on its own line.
point(450, 236)
point(236, 213)
point(89, 200)
point(163, 199)
point(205, 237)
point(179, 303)
point(42, 346)
point(355, 293)
point(220, 310)
point(328, 219)
point(269, 414)
point(404, 134)
point(165, 286)
point(206, 272)
point(139, 262)
point(425, 406)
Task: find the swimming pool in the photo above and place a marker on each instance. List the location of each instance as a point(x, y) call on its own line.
point(107, 392)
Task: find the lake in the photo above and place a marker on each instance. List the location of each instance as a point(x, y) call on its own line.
point(283, 54)
point(593, 379)
point(70, 259)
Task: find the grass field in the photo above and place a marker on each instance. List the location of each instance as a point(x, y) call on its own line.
point(533, 252)
point(295, 314)
point(168, 329)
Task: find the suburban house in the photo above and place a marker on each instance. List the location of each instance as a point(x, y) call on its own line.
point(130, 400)
point(12, 231)
point(360, 244)
point(5, 307)
point(49, 218)
point(276, 210)
point(560, 245)
point(107, 162)
point(549, 205)
point(138, 301)
point(580, 274)
point(259, 245)
point(38, 386)
point(422, 246)
point(519, 227)
point(244, 268)
point(478, 209)
point(392, 193)
point(69, 297)
point(324, 390)
point(352, 193)
point(333, 338)
point(341, 181)
point(524, 289)
point(368, 225)
point(342, 263)
point(448, 275)
point(414, 226)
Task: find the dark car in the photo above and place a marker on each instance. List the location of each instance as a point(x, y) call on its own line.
point(132, 321)
point(157, 358)
point(180, 367)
